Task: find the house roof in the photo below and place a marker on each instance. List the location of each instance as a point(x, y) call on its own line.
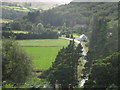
point(83, 35)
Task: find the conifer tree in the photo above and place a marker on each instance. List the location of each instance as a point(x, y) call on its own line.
point(97, 46)
point(99, 67)
point(64, 69)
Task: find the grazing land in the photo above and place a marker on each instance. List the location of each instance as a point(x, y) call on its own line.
point(76, 35)
point(23, 9)
point(42, 56)
point(24, 32)
point(42, 51)
point(44, 42)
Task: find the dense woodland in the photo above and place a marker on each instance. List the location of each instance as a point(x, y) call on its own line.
point(98, 20)
point(77, 16)
point(74, 17)
point(102, 45)
point(70, 18)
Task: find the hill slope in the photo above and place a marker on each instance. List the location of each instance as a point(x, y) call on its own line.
point(14, 10)
point(76, 13)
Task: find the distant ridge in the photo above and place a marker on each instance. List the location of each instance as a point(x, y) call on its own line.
point(95, 1)
point(45, 1)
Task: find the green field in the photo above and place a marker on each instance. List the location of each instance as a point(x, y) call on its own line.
point(42, 56)
point(44, 42)
point(22, 9)
point(42, 51)
point(24, 32)
point(14, 31)
point(76, 35)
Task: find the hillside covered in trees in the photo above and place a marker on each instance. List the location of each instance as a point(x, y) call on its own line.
point(76, 17)
point(102, 57)
point(74, 13)
point(97, 20)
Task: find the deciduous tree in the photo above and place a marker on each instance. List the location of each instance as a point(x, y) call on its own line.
point(16, 65)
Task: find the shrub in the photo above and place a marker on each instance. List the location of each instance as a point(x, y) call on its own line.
point(16, 65)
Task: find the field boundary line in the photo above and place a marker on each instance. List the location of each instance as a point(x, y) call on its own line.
point(42, 46)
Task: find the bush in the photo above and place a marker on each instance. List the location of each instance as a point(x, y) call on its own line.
point(16, 65)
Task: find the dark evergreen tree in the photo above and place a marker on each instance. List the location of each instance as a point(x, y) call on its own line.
point(105, 72)
point(64, 69)
point(97, 46)
point(100, 66)
point(71, 36)
point(119, 24)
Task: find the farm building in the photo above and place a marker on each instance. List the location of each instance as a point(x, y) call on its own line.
point(82, 38)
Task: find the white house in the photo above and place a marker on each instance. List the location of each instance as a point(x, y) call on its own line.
point(82, 38)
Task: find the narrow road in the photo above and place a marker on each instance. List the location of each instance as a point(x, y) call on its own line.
point(84, 53)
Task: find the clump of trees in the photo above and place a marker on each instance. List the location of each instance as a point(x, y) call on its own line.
point(73, 13)
point(12, 14)
point(105, 72)
point(21, 36)
point(16, 65)
point(34, 31)
point(103, 41)
point(64, 69)
point(103, 63)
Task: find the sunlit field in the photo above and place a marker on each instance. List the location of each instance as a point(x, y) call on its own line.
point(42, 51)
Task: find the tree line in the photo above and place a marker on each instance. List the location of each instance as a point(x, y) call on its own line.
point(34, 31)
point(103, 63)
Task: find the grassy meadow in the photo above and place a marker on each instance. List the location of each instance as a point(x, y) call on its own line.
point(76, 35)
point(24, 32)
point(22, 9)
point(42, 56)
point(42, 51)
point(44, 42)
